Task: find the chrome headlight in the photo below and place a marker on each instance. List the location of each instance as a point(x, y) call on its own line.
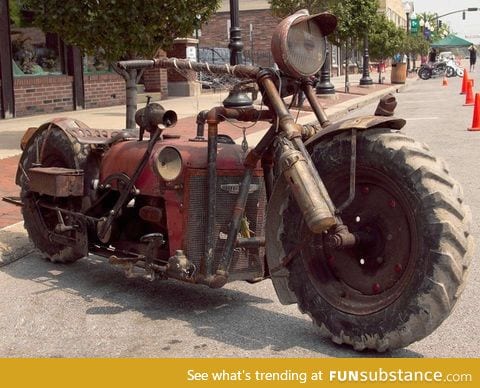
point(298, 44)
point(169, 163)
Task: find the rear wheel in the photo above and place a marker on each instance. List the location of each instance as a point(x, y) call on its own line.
point(51, 148)
point(402, 281)
point(424, 73)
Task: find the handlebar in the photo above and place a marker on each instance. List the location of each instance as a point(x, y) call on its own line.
point(136, 64)
point(239, 71)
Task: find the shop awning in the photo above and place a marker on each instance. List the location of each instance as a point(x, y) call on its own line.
point(451, 41)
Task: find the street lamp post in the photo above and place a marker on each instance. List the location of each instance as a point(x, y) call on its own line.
point(325, 86)
point(408, 9)
point(235, 98)
point(365, 80)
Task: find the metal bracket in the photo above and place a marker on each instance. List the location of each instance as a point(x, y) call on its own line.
point(353, 167)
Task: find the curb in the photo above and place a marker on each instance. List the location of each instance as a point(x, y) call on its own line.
point(14, 244)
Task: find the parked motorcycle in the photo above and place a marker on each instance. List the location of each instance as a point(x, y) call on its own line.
point(357, 223)
point(427, 70)
point(453, 69)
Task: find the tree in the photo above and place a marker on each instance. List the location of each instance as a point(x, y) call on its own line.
point(123, 29)
point(282, 8)
point(355, 18)
point(385, 39)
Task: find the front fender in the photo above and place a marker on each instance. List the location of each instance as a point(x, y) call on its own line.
point(276, 255)
point(359, 123)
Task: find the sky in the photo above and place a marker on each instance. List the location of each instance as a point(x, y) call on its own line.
point(468, 28)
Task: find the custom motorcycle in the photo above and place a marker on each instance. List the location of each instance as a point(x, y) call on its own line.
point(357, 223)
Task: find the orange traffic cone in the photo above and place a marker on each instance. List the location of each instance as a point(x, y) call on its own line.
point(444, 81)
point(464, 82)
point(476, 114)
point(469, 96)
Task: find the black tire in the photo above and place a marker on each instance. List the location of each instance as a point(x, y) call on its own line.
point(424, 73)
point(55, 150)
point(450, 72)
point(414, 270)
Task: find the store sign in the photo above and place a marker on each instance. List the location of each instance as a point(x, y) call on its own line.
point(414, 24)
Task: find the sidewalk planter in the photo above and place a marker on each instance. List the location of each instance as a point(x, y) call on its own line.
point(399, 73)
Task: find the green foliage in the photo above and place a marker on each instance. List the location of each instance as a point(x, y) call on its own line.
point(438, 32)
point(124, 29)
point(355, 18)
point(385, 39)
point(284, 8)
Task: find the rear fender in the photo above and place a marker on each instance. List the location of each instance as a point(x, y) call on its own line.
point(360, 123)
point(81, 137)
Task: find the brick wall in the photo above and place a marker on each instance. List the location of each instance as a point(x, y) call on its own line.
point(214, 33)
point(42, 94)
point(103, 90)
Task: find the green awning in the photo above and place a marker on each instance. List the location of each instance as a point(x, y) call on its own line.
point(451, 41)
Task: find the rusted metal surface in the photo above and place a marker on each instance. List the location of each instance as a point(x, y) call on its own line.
point(360, 123)
point(326, 21)
point(56, 181)
point(372, 272)
point(238, 71)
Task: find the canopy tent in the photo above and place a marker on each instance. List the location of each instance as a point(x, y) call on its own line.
point(451, 41)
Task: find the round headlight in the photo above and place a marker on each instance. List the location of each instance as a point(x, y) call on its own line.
point(169, 164)
point(298, 44)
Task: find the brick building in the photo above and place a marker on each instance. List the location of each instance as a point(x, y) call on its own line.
point(40, 74)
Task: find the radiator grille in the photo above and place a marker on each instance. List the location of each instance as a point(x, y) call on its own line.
point(245, 263)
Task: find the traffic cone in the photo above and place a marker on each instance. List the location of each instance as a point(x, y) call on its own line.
point(444, 81)
point(476, 114)
point(464, 82)
point(469, 101)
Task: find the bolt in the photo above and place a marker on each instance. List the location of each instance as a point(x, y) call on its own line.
point(398, 268)
point(365, 189)
point(392, 203)
point(376, 288)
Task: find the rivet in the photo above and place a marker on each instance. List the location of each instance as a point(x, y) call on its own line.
point(398, 268)
point(392, 203)
point(376, 288)
point(365, 189)
point(379, 259)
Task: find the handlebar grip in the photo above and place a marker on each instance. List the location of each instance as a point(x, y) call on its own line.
point(136, 64)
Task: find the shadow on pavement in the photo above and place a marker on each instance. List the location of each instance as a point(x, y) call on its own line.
point(228, 316)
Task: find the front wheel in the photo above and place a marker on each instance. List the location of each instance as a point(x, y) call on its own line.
point(403, 280)
point(450, 72)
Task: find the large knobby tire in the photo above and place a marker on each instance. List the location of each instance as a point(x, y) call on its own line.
point(54, 149)
point(399, 285)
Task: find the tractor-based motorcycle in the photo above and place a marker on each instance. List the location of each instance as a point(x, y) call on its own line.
point(357, 223)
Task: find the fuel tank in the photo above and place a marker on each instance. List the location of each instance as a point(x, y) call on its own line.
point(124, 157)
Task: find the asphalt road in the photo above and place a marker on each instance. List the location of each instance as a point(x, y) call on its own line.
point(89, 309)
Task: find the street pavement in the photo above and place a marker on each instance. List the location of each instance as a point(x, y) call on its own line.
point(90, 309)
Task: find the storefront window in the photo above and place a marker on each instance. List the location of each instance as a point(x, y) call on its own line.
point(96, 64)
point(34, 51)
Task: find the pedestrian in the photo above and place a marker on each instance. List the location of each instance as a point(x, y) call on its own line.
point(473, 57)
point(432, 56)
